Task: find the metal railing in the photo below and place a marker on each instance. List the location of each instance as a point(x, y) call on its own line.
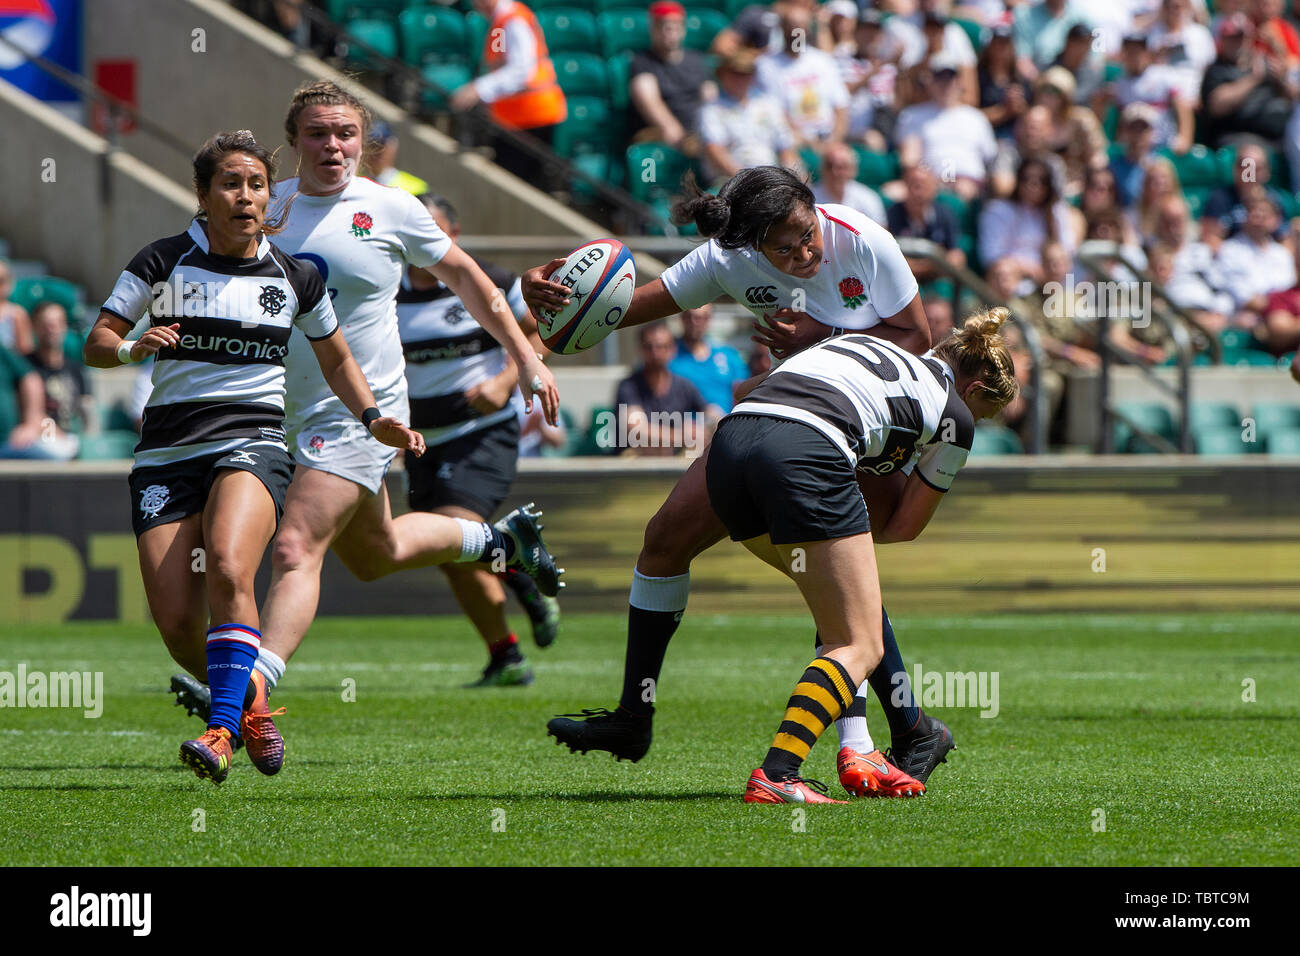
point(1099, 256)
point(477, 124)
point(964, 278)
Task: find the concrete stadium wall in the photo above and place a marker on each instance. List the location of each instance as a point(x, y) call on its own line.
point(1060, 534)
point(56, 207)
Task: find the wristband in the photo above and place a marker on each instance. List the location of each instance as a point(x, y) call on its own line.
point(124, 352)
point(369, 415)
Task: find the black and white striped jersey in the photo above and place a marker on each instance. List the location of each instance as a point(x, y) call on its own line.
point(878, 403)
point(222, 387)
point(447, 352)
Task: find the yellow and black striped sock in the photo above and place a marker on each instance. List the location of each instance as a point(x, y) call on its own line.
point(824, 693)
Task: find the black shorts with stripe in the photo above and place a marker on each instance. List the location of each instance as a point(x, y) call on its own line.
point(474, 471)
point(161, 494)
point(782, 478)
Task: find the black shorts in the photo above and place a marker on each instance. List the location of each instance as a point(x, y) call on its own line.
point(161, 494)
point(782, 478)
point(474, 471)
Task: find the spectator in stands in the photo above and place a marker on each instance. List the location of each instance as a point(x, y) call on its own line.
point(519, 84)
point(918, 216)
point(1159, 184)
point(1167, 90)
point(927, 31)
point(667, 83)
point(1185, 291)
point(1281, 330)
point(1017, 228)
point(712, 368)
point(1003, 90)
point(15, 324)
point(1226, 206)
point(1111, 225)
point(1180, 41)
point(807, 82)
point(1274, 37)
point(1136, 134)
point(953, 139)
point(743, 127)
point(938, 312)
point(870, 73)
point(1245, 93)
point(1254, 264)
point(535, 435)
point(759, 362)
point(1194, 280)
point(1033, 137)
point(1040, 30)
point(839, 184)
point(382, 159)
point(837, 27)
point(68, 404)
point(664, 412)
point(23, 425)
point(1076, 134)
point(1064, 320)
point(1086, 63)
point(1099, 197)
point(757, 27)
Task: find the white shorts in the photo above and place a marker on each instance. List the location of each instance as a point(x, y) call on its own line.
point(333, 441)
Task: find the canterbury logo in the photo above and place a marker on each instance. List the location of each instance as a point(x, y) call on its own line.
point(761, 295)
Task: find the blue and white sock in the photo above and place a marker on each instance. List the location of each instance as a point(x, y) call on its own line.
point(232, 651)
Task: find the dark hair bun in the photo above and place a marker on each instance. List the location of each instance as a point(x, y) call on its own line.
point(711, 215)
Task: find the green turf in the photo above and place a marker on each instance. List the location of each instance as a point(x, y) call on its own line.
point(1141, 717)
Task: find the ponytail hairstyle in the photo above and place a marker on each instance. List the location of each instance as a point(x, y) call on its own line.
point(220, 146)
point(976, 352)
point(747, 206)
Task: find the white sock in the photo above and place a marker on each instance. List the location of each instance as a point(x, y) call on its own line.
point(474, 538)
point(659, 594)
point(853, 730)
point(271, 665)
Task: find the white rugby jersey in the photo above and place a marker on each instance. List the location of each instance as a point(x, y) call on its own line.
point(361, 240)
point(223, 386)
point(863, 275)
point(878, 403)
point(447, 352)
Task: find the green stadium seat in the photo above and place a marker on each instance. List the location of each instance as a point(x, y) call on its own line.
point(1273, 417)
point(433, 35)
point(588, 444)
point(966, 212)
point(539, 5)
point(619, 67)
point(1222, 441)
point(582, 74)
point(702, 26)
point(811, 161)
point(476, 28)
point(1214, 415)
point(341, 11)
point(876, 169)
point(1281, 170)
point(1284, 441)
point(1236, 339)
point(378, 35)
point(32, 291)
point(569, 30)
point(588, 139)
point(622, 6)
point(1151, 417)
point(115, 418)
point(655, 171)
point(1197, 167)
point(996, 440)
point(973, 30)
point(1196, 197)
point(627, 28)
point(1248, 358)
point(449, 76)
point(734, 7)
point(108, 446)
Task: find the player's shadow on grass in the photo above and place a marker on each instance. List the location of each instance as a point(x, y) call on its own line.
point(48, 768)
point(595, 796)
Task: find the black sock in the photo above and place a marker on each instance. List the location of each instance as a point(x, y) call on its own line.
point(524, 589)
point(648, 634)
point(506, 651)
point(890, 682)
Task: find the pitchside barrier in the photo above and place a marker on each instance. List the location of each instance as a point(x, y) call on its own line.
point(1072, 534)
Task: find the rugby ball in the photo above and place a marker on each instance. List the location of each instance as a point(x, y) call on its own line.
point(601, 278)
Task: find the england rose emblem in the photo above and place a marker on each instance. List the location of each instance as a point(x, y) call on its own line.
point(361, 223)
point(851, 292)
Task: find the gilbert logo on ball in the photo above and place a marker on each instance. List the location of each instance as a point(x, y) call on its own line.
point(601, 278)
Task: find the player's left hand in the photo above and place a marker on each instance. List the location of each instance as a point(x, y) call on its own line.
point(391, 432)
point(489, 396)
point(535, 373)
point(786, 332)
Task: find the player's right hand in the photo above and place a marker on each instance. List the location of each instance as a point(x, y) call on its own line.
point(391, 432)
point(787, 332)
point(155, 338)
point(540, 294)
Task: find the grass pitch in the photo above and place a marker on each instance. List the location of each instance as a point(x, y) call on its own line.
point(1135, 721)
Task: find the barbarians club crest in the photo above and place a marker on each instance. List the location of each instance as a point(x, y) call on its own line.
point(851, 292)
point(153, 499)
point(361, 223)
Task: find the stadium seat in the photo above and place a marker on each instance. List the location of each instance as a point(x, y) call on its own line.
point(449, 76)
point(1273, 417)
point(876, 169)
point(341, 11)
point(1197, 167)
point(1214, 415)
point(734, 7)
point(115, 418)
point(1222, 441)
point(1196, 197)
point(1285, 441)
point(655, 171)
point(476, 28)
point(582, 74)
point(377, 35)
point(622, 6)
point(32, 291)
point(973, 30)
point(618, 67)
point(627, 28)
point(1248, 358)
point(1236, 339)
point(588, 139)
point(996, 440)
point(569, 30)
point(433, 35)
point(539, 5)
point(966, 212)
point(1152, 417)
point(108, 446)
point(702, 25)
